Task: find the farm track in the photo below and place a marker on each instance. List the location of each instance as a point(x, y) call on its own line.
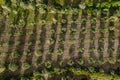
point(47, 43)
point(77, 36)
point(3, 56)
point(25, 41)
point(97, 35)
point(67, 36)
point(87, 36)
point(117, 42)
point(106, 44)
point(24, 55)
point(36, 45)
point(55, 56)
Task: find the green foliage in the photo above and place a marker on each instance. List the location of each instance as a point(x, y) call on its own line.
point(25, 65)
point(48, 64)
point(39, 53)
point(82, 6)
point(105, 5)
point(116, 4)
point(91, 69)
point(13, 66)
point(60, 51)
point(70, 62)
point(90, 4)
point(81, 50)
point(73, 30)
point(61, 2)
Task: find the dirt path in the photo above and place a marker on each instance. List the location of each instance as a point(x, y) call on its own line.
point(15, 37)
point(47, 42)
point(77, 37)
point(86, 53)
point(24, 54)
point(36, 45)
point(26, 41)
point(106, 41)
point(67, 36)
point(116, 43)
point(48, 27)
point(54, 56)
point(5, 38)
point(97, 35)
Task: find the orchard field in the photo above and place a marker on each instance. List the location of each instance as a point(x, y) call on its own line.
point(59, 40)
